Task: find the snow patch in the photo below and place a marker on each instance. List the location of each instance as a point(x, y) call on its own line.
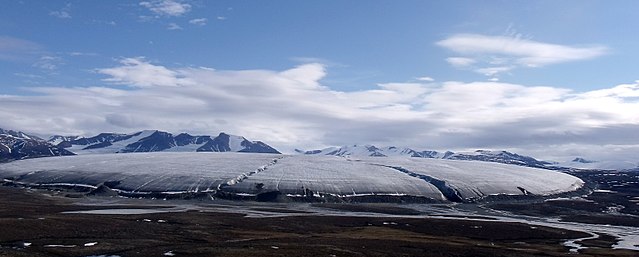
point(113, 148)
point(60, 246)
point(235, 143)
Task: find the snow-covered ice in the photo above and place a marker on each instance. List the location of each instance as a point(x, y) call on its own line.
point(473, 179)
point(138, 172)
point(296, 175)
point(300, 175)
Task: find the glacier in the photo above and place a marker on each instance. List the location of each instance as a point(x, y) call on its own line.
point(289, 176)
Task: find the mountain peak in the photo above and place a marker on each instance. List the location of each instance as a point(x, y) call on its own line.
point(582, 160)
point(18, 134)
point(223, 134)
point(16, 145)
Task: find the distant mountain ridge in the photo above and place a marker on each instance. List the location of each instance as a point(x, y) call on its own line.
point(16, 145)
point(479, 155)
point(157, 141)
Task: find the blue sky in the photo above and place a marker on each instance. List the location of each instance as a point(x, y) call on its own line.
point(378, 66)
point(363, 42)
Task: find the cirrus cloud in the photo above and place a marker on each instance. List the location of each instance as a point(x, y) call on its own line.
point(199, 21)
point(12, 49)
point(167, 7)
point(64, 13)
point(173, 26)
point(460, 62)
point(511, 51)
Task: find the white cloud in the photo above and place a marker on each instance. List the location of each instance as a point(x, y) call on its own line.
point(221, 18)
point(82, 54)
point(621, 91)
point(460, 62)
point(12, 49)
point(426, 78)
point(492, 71)
point(48, 63)
point(64, 13)
point(199, 21)
point(167, 7)
point(140, 73)
point(27, 75)
point(513, 51)
point(292, 108)
point(173, 26)
point(60, 14)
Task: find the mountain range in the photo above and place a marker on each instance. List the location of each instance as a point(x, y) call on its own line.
point(15, 145)
point(158, 141)
point(479, 155)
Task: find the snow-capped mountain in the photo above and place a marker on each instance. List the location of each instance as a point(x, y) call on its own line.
point(479, 155)
point(18, 134)
point(16, 145)
point(371, 150)
point(157, 141)
point(55, 140)
point(498, 156)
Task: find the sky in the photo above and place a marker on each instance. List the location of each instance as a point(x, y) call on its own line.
point(554, 79)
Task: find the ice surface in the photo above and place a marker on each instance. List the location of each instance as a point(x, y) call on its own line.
point(475, 179)
point(139, 172)
point(185, 148)
point(297, 175)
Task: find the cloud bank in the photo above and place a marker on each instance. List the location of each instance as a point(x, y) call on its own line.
point(292, 108)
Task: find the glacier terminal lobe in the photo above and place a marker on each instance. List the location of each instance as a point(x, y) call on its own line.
point(292, 176)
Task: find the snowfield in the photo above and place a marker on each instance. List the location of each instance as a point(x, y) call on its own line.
point(247, 174)
point(113, 148)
